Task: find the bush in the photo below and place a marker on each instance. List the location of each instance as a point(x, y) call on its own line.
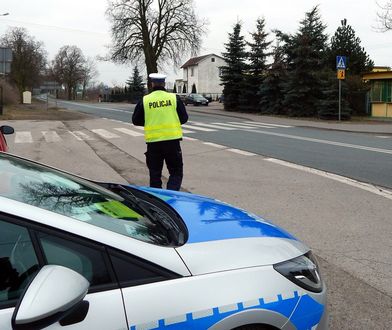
point(10, 93)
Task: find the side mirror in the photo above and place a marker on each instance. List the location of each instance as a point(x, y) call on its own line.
point(52, 295)
point(7, 129)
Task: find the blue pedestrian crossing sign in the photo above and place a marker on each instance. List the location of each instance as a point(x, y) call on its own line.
point(341, 62)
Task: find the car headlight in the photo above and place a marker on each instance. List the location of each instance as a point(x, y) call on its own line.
point(303, 271)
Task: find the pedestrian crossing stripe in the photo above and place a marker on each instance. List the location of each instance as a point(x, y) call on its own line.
point(51, 136)
point(128, 131)
point(81, 136)
point(105, 133)
point(196, 128)
point(236, 126)
point(23, 137)
point(211, 126)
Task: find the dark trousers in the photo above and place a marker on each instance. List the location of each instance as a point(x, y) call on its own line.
point(170, 153)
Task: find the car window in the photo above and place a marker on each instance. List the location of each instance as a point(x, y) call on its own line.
point(74, 197)
point(85, 260)
point(18, 261)
point(131, 271)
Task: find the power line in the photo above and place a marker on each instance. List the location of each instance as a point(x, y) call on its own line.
point(54, 27)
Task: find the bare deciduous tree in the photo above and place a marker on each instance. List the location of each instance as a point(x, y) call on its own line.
point(90, 72)
point(69, 68)
point(385, 16)
point(28, 61)
point(158, 30)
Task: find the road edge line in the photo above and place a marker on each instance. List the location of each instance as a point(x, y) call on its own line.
point(351, 182)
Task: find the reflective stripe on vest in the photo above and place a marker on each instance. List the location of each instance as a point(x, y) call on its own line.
point(161, 120)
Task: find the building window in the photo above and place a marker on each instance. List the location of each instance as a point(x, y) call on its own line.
point(376, 91)
point(220, 72)
point(213, 59)
point(192, 72)
point(381, 91)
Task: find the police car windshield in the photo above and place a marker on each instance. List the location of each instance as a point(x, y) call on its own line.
point(79, 199)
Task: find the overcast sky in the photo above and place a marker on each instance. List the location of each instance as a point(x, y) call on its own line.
point(83, 23)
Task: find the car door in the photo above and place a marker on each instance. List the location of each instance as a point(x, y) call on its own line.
point(26, 248)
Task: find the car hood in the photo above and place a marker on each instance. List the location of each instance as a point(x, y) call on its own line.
point(223, 237)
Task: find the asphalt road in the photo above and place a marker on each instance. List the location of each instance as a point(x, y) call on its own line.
point(363, 157)
point(346, 226)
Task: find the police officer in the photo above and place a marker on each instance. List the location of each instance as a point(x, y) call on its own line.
point(162, 113)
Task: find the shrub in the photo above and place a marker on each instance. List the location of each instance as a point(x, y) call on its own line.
point(10, 93)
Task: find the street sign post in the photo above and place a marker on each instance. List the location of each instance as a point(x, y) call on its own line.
point(341, 74)
point(5, 67)
point(341, 64)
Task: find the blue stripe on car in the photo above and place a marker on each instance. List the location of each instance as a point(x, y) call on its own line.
point(307, 314)
point(210, 220)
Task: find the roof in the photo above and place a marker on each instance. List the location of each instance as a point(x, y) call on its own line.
point(197, 60)
point(378, 75)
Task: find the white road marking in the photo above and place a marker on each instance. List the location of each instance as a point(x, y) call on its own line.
point(260, 123)
point(140, 128)
point(339, 144)
point(383, 136)
point(236, 126)
point(93, 107)
point(51, 136)
point(186, 131)
point(105, 134)
point(23, 137)
point(81, 136)
point(199, 128)
point(128, 131)
point(351, 182)
point(249, 124)
point(241, 152)
point(75, 136)
point(214, 145)
point(212, 126)
point(189, 138)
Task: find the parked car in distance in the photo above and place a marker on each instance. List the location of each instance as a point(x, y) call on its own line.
point(102, 255)
point(4, 130)
point(221, 98)
point(196, 99)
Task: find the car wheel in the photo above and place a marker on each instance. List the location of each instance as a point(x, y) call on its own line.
point(255, 327)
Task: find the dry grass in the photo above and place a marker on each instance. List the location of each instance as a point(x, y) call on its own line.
point(39, 111)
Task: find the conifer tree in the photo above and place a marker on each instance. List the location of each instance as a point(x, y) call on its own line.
point(257, 67)
point(346, 43)
point(271, 89)
point(329, 108)
point(135, 84)
point(233, 73)
point(306, 56)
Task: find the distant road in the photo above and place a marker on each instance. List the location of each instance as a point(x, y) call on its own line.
point(363, 157)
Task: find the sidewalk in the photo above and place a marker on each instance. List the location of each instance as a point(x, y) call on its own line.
point(368, 125)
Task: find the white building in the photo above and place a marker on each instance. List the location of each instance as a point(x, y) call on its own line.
point(203, 71)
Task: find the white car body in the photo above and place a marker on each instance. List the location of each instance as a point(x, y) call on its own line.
point(219, 284)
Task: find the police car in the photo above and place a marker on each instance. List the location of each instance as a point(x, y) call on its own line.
point(77, 254)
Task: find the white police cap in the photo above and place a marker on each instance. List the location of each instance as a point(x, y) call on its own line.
point(157, 77)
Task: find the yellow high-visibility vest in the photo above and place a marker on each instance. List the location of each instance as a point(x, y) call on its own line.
point(161, 122)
